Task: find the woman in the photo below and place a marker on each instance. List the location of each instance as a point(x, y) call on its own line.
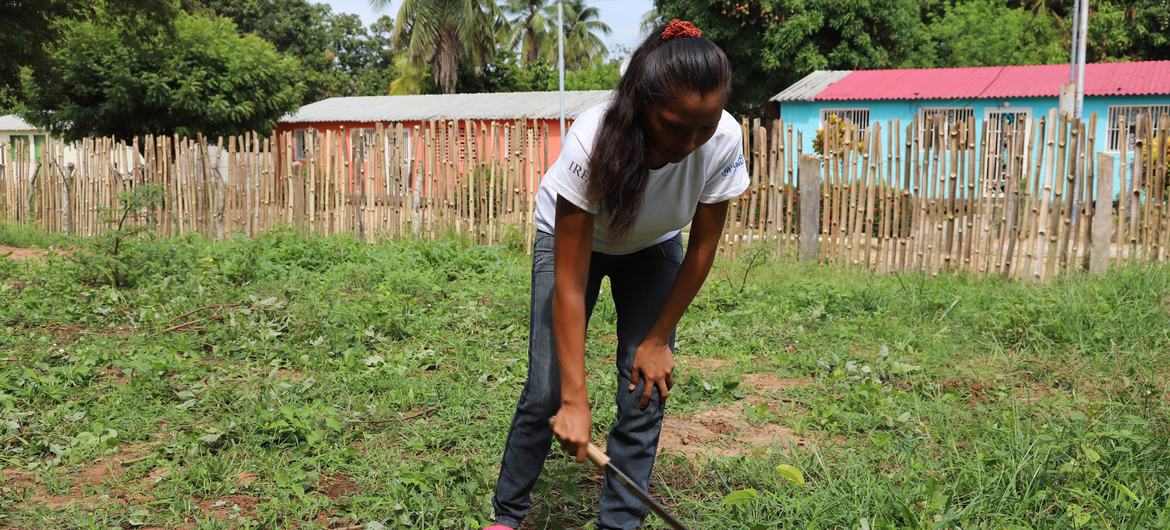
point(633, 171)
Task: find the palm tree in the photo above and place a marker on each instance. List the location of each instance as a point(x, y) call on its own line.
point(534, 29)
point(409, 78)
point(442, 33)
point(582, 24)
point(650, 20)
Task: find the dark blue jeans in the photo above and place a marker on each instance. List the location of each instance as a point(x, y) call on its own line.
point(640, 283)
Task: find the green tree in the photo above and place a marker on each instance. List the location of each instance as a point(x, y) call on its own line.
point(131, 79)
point(773, 43)
point(650, 20)
point(295, 27)
point(409, 78)
point(1128, 30)
point(29, 28)
point(533, 28)
point(338, 55)
point(507, 73)
point(829, 34)
point(380, 69)
point(1059, 8)
point(583, 46)
point(989, 33)
point(363, 62)
point(9, 99)
point(597, 76)
point(446, 34)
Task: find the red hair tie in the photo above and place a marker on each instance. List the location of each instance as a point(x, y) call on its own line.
point(680, 28)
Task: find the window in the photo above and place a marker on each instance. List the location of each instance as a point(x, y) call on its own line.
point(407, 148)
point(858, 117)
point(1000, 123)
point(1132, 113)
point(300, 146)
point(1003, 120)
point(950, 115)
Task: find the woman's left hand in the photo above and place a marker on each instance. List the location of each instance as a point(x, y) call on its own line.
point(653, 364)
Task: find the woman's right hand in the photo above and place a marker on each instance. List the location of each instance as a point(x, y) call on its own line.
point(572, 426)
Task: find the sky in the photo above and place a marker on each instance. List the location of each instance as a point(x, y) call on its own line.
point(623, 16)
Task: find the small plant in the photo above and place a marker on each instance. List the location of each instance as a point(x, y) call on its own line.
point(726, 391)
point(111, 260)
point(758, 256)
point(758, 414)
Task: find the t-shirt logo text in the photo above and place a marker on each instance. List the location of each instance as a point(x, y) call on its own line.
point(734, 166)
point(576, 169)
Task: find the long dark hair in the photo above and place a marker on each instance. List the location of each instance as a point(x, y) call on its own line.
point(658, 72)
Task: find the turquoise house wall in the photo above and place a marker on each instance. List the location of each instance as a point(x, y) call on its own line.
point(805, 116)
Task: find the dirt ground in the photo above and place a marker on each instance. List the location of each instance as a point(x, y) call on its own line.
point(725, 430)
point(19, 254)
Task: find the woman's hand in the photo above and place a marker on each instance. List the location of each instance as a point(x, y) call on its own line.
point(654, 364)
point(572, 426)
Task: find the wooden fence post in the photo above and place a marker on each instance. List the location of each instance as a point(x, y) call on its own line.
point(810, 206)
point(1102, 215)
point(66, 212)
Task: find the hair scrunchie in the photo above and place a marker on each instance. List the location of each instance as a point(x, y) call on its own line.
point(680, 28)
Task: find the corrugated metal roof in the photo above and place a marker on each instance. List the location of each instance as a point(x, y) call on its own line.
point(1101, 79)
point(12, 122)
point(811, 85)
point(500, 106)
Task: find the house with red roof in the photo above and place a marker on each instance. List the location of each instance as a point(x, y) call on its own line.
point(996, 94)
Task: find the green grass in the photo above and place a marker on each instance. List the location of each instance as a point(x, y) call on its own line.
point(392, 370)
point(27, 236)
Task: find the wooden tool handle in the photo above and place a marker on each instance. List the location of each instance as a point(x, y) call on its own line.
point(598, 458)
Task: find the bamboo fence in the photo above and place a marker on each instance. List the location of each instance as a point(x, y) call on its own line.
point(1022, 200)
point(473, 178)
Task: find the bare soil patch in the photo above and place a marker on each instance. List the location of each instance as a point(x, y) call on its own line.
point(707, 364)
point(337, 486)
point(293, 375)
point(230, 507)
point(115, 374)
point(22, 254)
point(725, 431)
point(245, 479)
point(87, 486)
point(1030, 392)
point(1024, 390)
point(767, 382)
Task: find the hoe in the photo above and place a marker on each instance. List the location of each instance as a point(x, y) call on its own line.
point(602, 461)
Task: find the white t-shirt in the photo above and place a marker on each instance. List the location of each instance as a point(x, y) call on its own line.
point(713, 173)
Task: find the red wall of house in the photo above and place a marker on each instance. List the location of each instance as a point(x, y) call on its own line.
point(548, 146)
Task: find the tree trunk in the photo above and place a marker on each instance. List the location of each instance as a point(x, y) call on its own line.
point(530, 46)
point(445, 64)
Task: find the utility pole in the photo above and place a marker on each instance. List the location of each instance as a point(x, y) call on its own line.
point(561, 62)
point(1084, 36)
point(1072, 93)
point(1072, 50)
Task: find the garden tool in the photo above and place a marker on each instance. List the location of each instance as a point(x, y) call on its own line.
point(602, 461)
